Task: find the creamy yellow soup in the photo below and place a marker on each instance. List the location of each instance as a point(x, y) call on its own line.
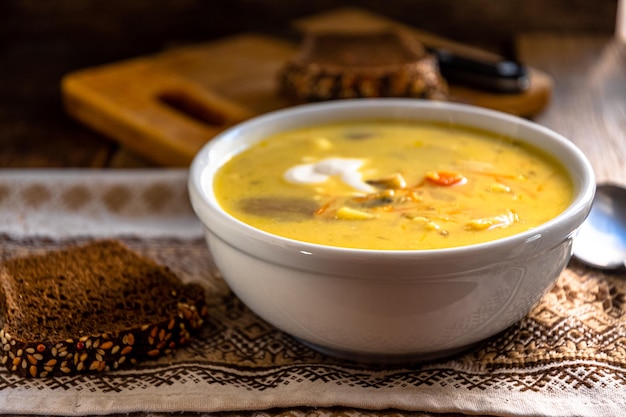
point(392, 185)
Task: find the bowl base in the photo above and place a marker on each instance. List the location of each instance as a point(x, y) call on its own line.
point(386, 359)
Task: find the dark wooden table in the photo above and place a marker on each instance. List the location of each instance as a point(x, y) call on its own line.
point(588, 106)
point(589, 100)
point(40, 44)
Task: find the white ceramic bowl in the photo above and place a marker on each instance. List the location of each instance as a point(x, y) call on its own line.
point(388, 306)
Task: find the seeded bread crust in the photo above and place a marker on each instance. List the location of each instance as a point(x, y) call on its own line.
point(93, 329)
point(361, 65)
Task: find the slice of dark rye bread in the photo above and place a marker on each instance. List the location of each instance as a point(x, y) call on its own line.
point(95, 307)
point(382, 63)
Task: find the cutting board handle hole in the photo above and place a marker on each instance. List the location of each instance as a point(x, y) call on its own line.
point(192, 107)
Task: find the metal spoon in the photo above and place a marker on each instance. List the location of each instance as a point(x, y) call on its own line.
point(601, 240)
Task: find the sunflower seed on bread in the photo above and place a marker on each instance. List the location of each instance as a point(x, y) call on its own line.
point(92, 308)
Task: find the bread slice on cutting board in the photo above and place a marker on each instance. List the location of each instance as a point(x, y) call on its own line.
point(386, 63)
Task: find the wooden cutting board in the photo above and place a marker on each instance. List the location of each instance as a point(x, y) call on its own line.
point(166, 106)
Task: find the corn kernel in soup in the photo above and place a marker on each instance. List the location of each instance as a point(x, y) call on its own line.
point(392, 185)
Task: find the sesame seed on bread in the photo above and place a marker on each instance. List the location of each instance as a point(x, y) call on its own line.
point(94, 307)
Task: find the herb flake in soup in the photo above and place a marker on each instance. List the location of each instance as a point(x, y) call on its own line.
point(393, 185)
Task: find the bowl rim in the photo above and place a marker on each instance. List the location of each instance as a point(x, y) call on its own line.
point(201, 200)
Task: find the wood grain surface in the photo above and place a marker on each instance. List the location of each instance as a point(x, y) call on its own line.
point(42, 42)
point(589, 101)
point(167, 106)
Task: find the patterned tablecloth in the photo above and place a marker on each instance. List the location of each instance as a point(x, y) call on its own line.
point(566, 358)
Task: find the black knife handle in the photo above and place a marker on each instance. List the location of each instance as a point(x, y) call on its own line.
point(501, 76)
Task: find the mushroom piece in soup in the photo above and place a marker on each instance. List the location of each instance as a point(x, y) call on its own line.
point(401, 186)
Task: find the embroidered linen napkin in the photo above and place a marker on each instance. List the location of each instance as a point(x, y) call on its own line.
point(566, 358)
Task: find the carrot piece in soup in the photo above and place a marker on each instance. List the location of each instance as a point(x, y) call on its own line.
point(445, 178)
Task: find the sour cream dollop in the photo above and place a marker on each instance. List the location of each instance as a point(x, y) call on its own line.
point(347, 169)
